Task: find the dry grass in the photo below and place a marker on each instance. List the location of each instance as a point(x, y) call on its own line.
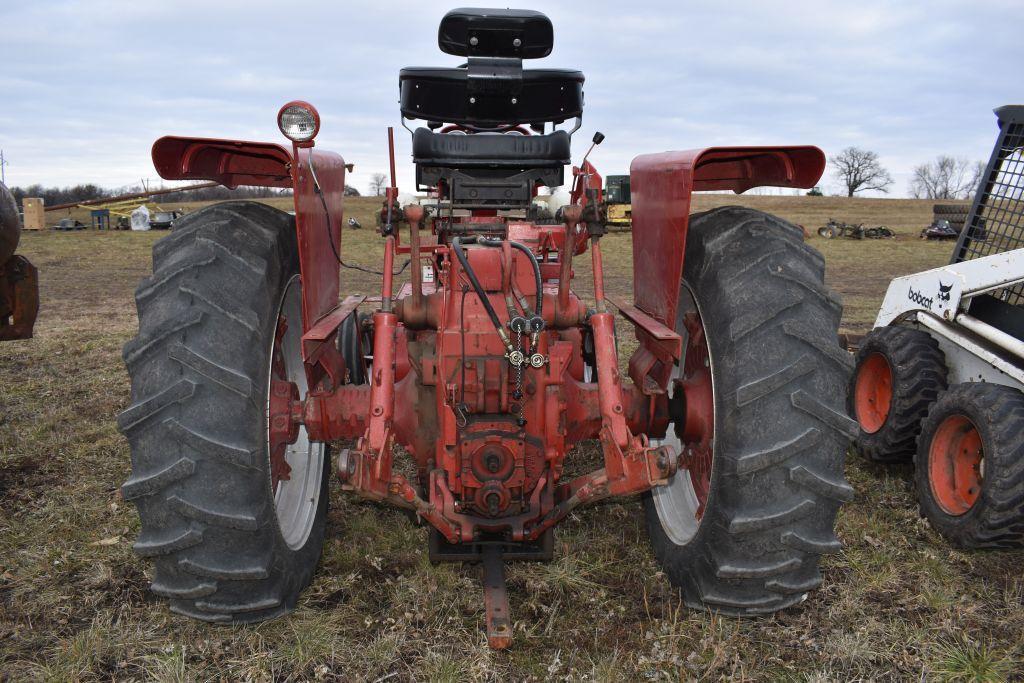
point(897, 604)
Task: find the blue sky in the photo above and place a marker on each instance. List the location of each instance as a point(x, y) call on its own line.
point(88, 85)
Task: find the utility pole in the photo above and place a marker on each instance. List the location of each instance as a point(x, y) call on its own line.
point(3, 162)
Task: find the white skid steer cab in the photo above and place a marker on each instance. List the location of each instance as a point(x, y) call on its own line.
point(940, 379)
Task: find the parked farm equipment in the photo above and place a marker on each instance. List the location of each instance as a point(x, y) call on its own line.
point(834, 229)
point(617, 198)
point(940, 229)
point(486, 368)
point(939, 380)
point(19, 280)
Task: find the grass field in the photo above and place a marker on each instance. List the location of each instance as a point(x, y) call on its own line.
point(897, 604)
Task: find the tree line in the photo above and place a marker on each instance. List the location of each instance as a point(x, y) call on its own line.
point(944, 177)
point(53, 196)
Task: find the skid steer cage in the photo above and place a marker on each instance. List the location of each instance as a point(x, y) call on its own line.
point(996, 220)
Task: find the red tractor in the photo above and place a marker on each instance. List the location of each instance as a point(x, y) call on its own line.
point(485, 368)
point(19, 279)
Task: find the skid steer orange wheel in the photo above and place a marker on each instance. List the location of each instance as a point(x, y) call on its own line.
point(898, 374)
point(742, 524)
point(873, 392)
point(954, 464)
point(970, 466)
point(231, 493)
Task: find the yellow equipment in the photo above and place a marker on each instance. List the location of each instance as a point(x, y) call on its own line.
point(617, 206)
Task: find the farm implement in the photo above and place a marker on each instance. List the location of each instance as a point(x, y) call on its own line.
point(19, 280)
point(939, 380)
point(460, 395)
point(836, 229)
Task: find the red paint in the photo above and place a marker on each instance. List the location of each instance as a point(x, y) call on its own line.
point(662, 185)
point(282, 430)
point(699, 427)
point(229, 162)
point(317, 231)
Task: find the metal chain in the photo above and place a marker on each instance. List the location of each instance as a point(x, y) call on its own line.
point(518, 393)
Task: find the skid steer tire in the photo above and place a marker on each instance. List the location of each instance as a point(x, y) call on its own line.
point(197, 425)
point(780, 430)
point(916, 374)
point(986, 510)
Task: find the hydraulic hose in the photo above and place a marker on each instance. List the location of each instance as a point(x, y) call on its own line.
point(460, 254)
point(491, 242)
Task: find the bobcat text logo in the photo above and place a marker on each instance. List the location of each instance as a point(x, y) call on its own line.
point(944, 291)
point(920, 299)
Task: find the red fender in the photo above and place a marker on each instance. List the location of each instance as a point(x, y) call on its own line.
point(662, 185)
point(228, 162)
point(235, 162)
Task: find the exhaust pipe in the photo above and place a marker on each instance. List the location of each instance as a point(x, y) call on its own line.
point(19, 279)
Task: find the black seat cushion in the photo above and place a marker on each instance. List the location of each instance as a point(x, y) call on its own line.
point(490, 150)
point(491, 100)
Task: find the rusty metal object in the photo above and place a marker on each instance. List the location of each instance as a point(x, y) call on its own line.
point(10, 225)
point(19, 279)
point(499, 622)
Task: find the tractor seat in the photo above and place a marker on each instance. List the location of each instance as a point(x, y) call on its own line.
point(490, 150)
point(489, 93)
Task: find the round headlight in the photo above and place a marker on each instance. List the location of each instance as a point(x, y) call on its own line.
point(298, 121)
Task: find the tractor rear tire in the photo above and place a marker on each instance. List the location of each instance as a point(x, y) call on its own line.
point(898, 374)
point(974, 502)
point(780, 431)
point(227, 546)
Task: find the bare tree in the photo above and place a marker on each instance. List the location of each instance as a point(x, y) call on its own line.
point(860, 169)
point(946, 178)
point(378, 183)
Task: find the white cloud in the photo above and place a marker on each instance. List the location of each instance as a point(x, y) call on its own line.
point(909, 80)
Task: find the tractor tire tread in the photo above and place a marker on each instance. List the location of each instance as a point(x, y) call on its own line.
point(200, 473)
point(147, 485)
point(777, 481)
point(150, 545)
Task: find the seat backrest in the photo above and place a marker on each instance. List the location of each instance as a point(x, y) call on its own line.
point(487, 96)
point(491, 89)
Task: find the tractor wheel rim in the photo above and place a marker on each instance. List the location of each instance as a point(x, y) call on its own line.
point(955, 465)
point(873, 392)
point(296, 469)
point(682, 503)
